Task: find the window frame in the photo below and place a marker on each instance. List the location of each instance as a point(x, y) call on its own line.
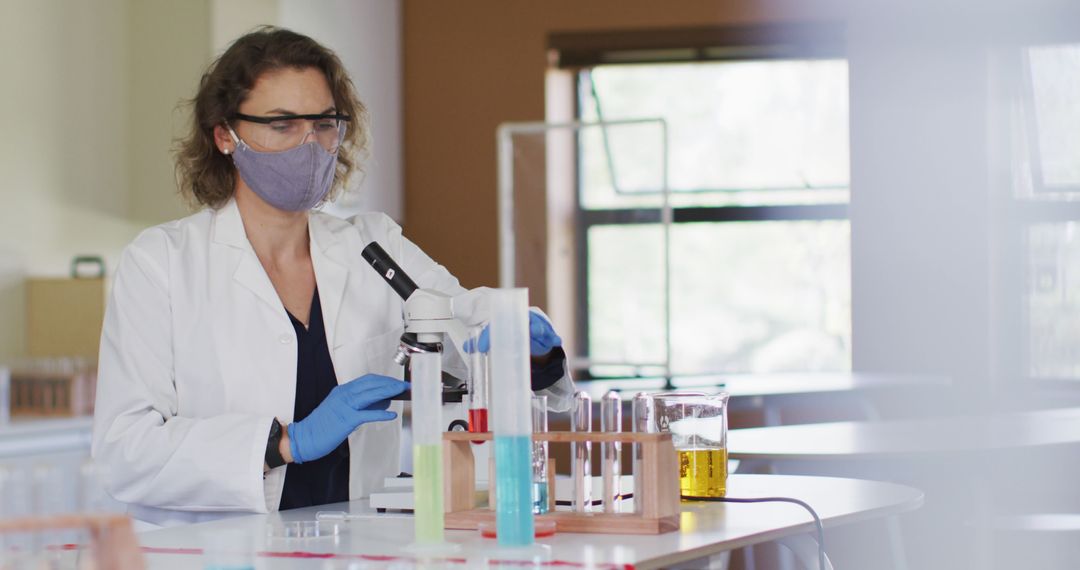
point(579, 51)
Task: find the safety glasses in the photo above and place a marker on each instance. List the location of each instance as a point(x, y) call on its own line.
point(284, 132)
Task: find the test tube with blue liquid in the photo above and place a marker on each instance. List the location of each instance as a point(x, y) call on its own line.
point(540, 456)
point(512, 417)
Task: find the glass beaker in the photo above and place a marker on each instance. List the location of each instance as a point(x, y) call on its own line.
point(698, 427)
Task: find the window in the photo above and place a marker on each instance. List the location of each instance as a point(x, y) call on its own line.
point(759, 246)
point(1054, 116)
point(1048, 193)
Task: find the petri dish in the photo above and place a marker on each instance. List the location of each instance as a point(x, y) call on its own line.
point(541, 529)
point(304, 529)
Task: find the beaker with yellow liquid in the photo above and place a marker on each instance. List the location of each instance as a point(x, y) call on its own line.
point(702, 472)
point(698, 426)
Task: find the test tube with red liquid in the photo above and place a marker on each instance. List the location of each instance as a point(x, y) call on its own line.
point(478, 393)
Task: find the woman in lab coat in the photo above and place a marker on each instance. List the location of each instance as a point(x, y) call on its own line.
point(247, 352)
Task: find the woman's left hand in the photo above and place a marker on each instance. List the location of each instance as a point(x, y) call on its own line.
point(542, 337)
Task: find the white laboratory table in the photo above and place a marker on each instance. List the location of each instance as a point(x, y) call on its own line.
point(706, 529)
point(866, 439)
point(958, 460)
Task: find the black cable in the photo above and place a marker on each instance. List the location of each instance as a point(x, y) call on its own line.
point(813, 513)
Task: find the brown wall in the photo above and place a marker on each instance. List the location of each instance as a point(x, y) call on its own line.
point(473, 64)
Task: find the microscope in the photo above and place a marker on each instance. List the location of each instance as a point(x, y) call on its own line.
point(429, 322)
point(429, 315)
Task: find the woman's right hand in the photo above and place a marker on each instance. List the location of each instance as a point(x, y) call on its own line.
point(347, 407)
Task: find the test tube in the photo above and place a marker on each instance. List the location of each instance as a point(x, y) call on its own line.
point(513, 429)
point(641, 411)
point(611, 422)
point(51, 496)
point(91, 494)
point(478, 388)
point(5, 395)
point(426, 368)
point(581, 468)
point(540, 456)
point(16, 500)
point(50, 490)
point(10, 491)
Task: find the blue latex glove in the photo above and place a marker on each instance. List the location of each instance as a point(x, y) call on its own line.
point(347, 407)
point(542, 337)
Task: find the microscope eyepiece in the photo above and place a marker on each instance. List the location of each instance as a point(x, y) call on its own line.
point(385, 266)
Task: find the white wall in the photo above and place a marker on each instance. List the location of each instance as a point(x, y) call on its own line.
point(921, 199)
point(366, 34)
point(89, 113)
point(934, 276)
point(169, 46)
point(231, 19)
point(937, 282)
point(937, 285)
point(64, 149)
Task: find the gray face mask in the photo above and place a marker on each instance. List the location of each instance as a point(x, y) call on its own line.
point(293, 180)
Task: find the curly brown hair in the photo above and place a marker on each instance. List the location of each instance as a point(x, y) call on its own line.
point(204, 175)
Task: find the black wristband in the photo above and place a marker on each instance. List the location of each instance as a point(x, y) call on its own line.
point(273, 456)
point(546, 375)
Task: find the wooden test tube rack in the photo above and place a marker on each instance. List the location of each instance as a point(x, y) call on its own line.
point(658, 510)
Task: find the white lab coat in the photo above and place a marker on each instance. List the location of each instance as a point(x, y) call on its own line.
point(198, 356)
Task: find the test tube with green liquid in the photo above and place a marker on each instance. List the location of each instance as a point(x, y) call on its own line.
point(426, 381)
point(512, 416)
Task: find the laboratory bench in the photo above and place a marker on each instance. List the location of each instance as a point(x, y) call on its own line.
point(899, 438)
point(34, 437)
point(707, 530)
point(989, 474)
